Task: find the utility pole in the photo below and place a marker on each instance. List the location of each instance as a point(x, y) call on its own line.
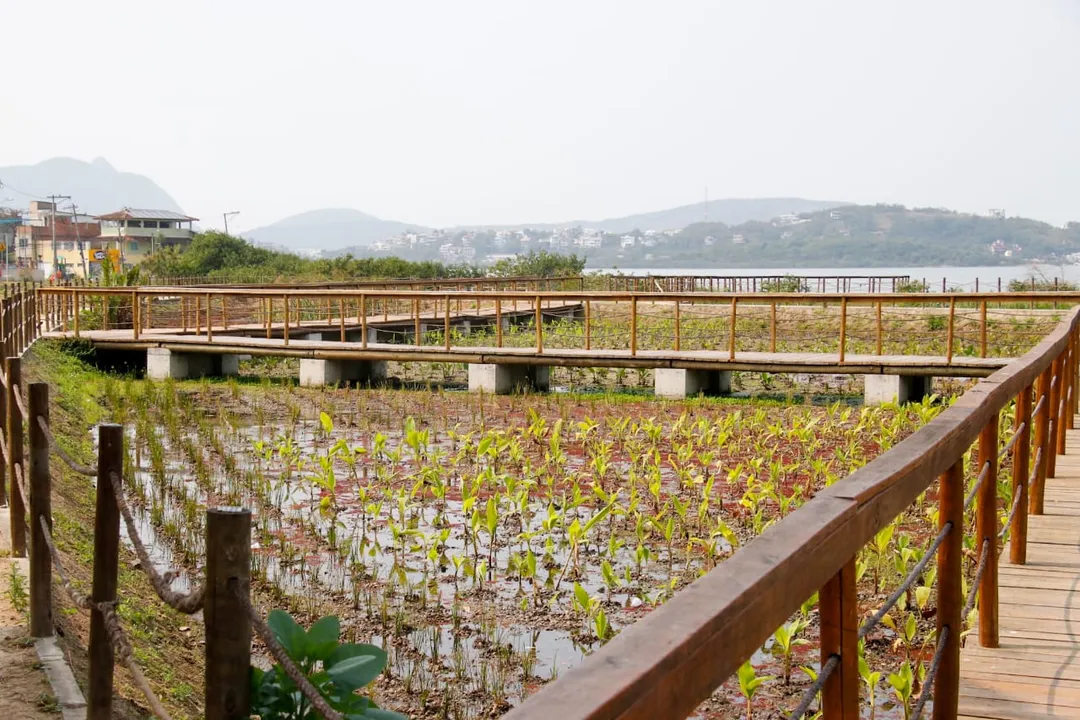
point(78, 240)
point(226, 218)
point(53, 199)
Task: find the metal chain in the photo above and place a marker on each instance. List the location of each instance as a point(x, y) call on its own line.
point(71, 462)
point(187, 603)
point(295, 674)
point(906, 585)
point(970, 605)
point(931, 674)
point(813, 690)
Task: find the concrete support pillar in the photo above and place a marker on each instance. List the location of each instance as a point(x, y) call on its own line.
point(162, 363)
point(316, 373)
point(881, 389)
point(504, 379)
point(676, 383)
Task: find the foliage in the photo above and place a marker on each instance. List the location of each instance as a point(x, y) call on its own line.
point(1040, 283)
point(336, 669)
point(16, 591)
point(786, 284)
point(913, 286)
point(539, 264)
point(225, 257)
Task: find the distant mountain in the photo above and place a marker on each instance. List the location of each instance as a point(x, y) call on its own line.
point(96, 187)
point(330, 229)
point(730, 212)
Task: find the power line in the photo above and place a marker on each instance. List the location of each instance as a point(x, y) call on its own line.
point(15, 189)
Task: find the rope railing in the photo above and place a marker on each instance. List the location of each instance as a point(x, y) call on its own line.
point(61, 453)
point(282, 657)
point(187, 603)
point(1012, 440)
point(931, 674)
point(1012, 512)
point(811, 692)
point(977, 581)
point(975, 488)
point(915, 573)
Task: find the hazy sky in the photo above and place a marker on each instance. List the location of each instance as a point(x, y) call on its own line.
point(445, 113)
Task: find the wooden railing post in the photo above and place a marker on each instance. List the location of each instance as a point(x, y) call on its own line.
point(633, 325)
point(588, 325)
point(950, 593)
point(731, 328)
point(1062, 422)
point(982, 328)
point(41, 624)
point(1021, 471)
point(1042, 433)
point(285, 300)
point(772, 326)
point(417, 334)
point(136, 319)
point(14, 428)
point(106, 564)
point(363, 321)
point(952, 325)
point(446, 322)
point(228, 627)
point(539, 327)
point(1054, 402)
point(838, 604)
point(843, 327)
point(987, 531)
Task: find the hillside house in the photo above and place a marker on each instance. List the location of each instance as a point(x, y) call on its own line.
point(74, 237)
point(138, 234)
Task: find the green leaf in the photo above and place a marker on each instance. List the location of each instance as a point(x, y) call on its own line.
point(358, 675)
point(327, 423)
point(322, 638)
point(582, 597)
point(288, 633)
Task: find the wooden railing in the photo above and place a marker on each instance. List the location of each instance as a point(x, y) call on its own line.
point(284, 311)
point(670, 661)
point(26, 445)
point(517, 283)
point(756, 283)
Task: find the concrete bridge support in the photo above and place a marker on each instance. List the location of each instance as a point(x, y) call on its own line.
point(316, 373)
point(676, 383)
point(881, 389)
point(504, 379)
point(162, 363)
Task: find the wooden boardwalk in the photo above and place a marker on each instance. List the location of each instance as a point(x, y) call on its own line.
point(1035, 673)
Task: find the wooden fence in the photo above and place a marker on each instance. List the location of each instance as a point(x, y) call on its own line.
point(27, 443)
point(666, 664)
point(282, 312)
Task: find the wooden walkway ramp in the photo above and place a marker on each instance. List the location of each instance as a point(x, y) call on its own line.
point(1035, 673)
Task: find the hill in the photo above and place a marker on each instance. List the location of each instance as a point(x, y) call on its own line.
point(730, 212)
point(329, 229)
point(96, 187)
point(844, 236)
point(853, 236)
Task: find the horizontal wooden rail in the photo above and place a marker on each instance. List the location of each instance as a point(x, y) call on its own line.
point(671, 660)
point(285, 312)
